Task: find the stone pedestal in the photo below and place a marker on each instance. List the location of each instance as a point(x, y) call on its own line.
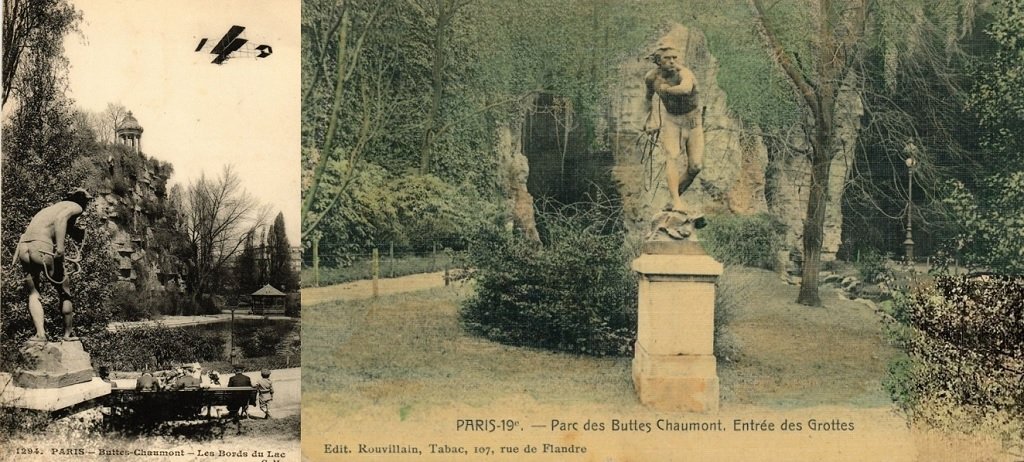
point(50, 399)
point(60, 377)
point(55, 365)
point(674, 364)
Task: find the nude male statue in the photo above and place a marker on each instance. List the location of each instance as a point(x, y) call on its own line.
point(41, 253)
point(678, 120)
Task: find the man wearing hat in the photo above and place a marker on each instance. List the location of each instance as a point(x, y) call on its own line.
point(238, 408)
point(41, 253)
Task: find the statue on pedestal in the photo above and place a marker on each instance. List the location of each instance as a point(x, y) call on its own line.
point(41, 251)
point(677, 123)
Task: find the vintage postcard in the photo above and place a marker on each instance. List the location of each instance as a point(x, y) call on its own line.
point(654, 230)
point(150, 230)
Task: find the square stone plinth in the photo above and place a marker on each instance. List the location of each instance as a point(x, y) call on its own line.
point(50, 399)
point(676, 312)
point(674, 367)
point(676, 316)
point(687, 383)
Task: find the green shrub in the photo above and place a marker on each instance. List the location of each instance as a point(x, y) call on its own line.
point(129, 304)
point(157, 347)
point(730, 294)
point(261, 337)
point(415, 217)
point(576, 293)
point(748, 240)
point(262, 342)
point(964, 344)
point(872, 265)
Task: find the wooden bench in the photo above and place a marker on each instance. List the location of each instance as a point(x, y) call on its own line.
point(149, 407)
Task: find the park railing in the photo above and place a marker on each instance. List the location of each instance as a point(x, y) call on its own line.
point(384, 260)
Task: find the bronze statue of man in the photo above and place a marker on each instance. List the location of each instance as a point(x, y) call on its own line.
point(677, 120)
point(41, 251)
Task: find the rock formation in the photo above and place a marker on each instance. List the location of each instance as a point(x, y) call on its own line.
point(738, 176)
point(735, 160)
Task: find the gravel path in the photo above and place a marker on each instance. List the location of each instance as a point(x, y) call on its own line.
point(357, 290)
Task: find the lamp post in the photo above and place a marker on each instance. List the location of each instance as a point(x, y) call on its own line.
point(908, 243)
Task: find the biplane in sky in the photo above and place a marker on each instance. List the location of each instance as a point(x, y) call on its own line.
point(232, 45)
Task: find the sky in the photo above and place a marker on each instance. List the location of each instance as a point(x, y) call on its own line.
point(197, 115)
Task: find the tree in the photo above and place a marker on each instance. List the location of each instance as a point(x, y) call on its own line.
point(837, 42)
point(357, 103)
point(440, 14)
point(917, 77)
point(989, 211)
point(109, 121)
point(45, 152)
point(245, 266)
point(218, 213)
point(279, 253)
point(827, 62)
point(33, 27)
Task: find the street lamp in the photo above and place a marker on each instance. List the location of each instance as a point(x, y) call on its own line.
point(908, 243)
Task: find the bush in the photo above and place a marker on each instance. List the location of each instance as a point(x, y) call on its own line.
point(158, 347)
point(574, 294)
point(730, 294)
point(130, 304)
point(748, 240)
point(424, 211)
point(261, 338)
point(872, 265)
point(262, 342)
point(964, 344)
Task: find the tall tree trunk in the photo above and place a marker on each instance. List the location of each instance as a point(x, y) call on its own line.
point(814, 225)
point(437, 87)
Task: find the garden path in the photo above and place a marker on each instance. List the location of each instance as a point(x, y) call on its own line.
point(182, 321)
point(357, 290)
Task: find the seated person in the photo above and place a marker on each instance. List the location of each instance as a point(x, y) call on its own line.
point(147, 382)
point(185, 381)
point(240, 408)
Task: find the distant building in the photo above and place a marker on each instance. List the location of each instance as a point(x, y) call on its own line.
point(297, 259)
point(130, 133)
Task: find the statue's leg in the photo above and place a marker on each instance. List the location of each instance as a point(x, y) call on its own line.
point(67, 308)
point(669, 139)
point(32, 266)
point(694, 152)
point(35, 306)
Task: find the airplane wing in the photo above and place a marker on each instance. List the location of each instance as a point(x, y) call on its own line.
point(230, 43)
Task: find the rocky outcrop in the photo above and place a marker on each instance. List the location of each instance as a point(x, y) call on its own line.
point(790, 177)
point(735, 158)
point(513, 172)
point(741, 174)
point(132, 197)
point(54, 365)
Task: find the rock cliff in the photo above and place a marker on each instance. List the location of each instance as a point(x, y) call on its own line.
point(741, 174)
point(132, 197)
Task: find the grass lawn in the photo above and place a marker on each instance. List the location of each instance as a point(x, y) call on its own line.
point(409, 349)
point(401, 370)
